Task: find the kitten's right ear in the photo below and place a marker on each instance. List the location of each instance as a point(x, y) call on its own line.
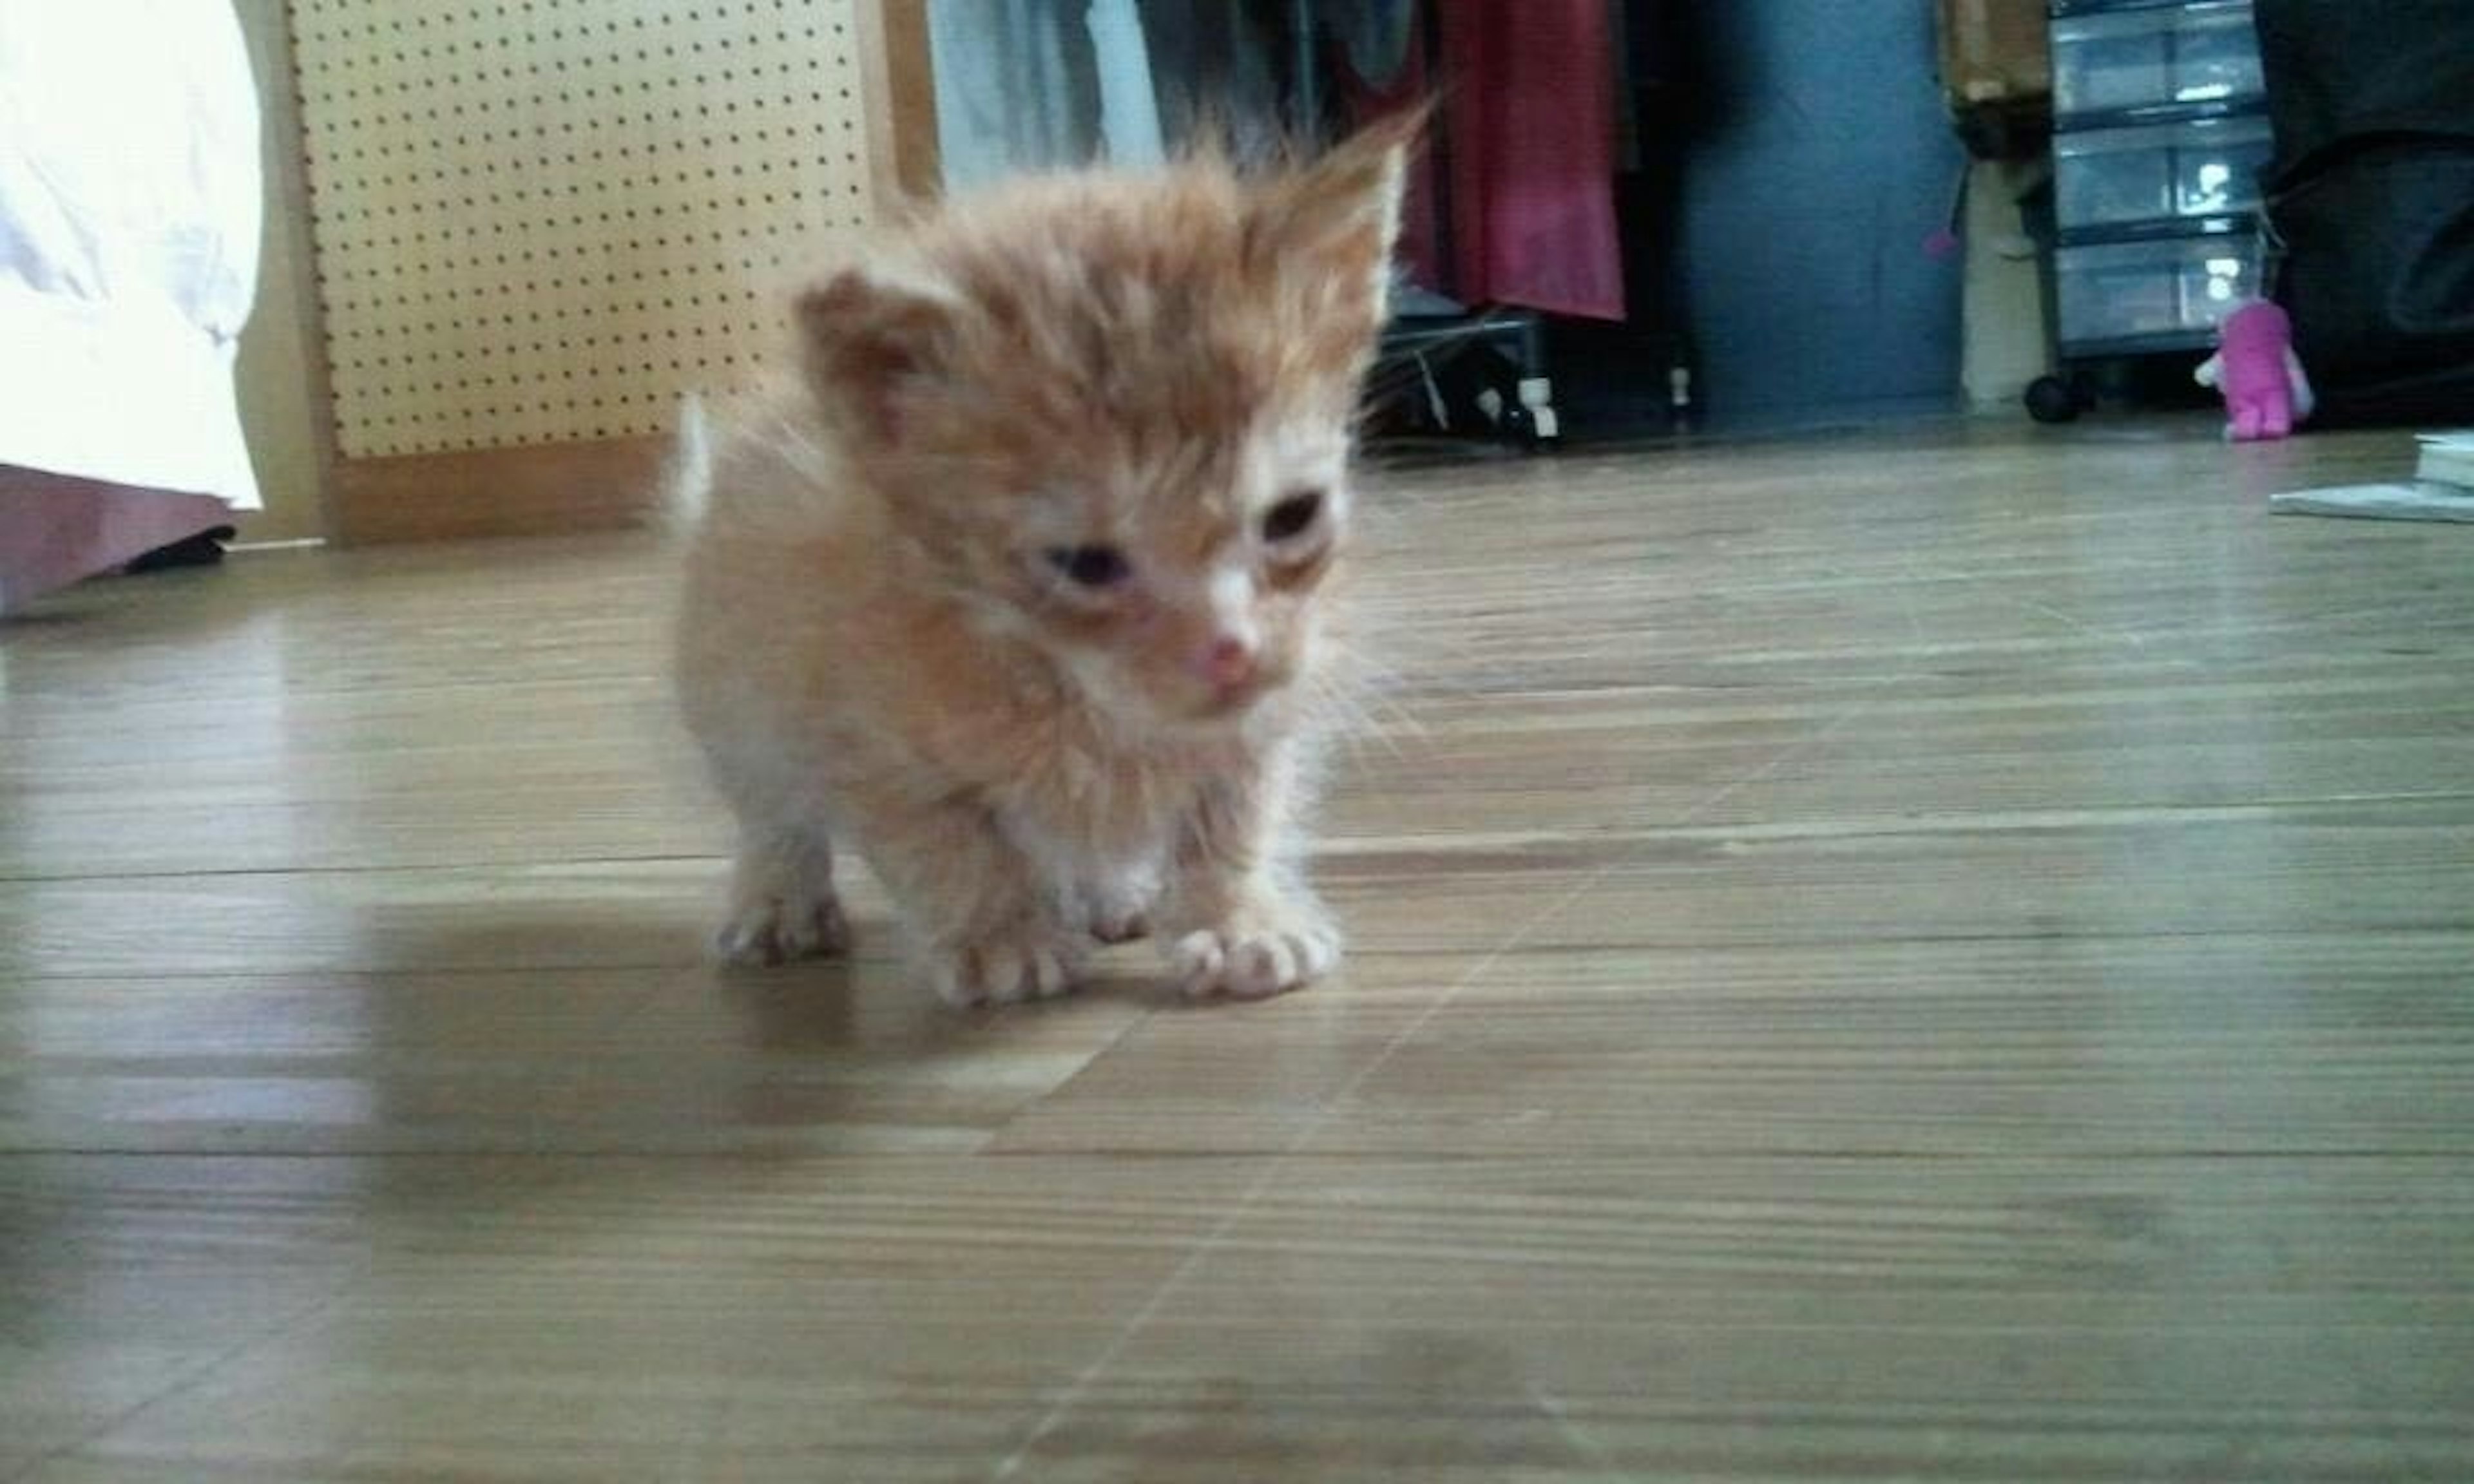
point(1333, 222)
point(872, 339)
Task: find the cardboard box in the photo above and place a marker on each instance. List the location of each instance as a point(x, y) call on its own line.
point(1993, 53)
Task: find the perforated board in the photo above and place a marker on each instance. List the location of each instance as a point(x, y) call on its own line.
point(544, 220)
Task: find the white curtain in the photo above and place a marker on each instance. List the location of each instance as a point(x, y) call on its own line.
point(130, 208)
point(1035, 84)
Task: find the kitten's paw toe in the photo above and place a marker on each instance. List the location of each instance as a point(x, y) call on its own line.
point(775, 932)
point(1255, 961)
point(1006, 971)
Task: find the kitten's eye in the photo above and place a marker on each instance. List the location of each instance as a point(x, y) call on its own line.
point(1292, 516)
point(1090, 567)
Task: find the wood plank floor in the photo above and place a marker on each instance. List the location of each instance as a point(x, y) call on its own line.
point(1944, 954)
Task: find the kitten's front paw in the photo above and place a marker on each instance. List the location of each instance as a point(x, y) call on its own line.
point(1268, 950)
point(1006, 968)
point(775, 930)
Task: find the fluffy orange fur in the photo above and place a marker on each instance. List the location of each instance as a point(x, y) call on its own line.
point(1024, 589)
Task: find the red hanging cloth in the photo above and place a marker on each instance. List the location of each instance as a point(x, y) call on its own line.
point(1529, 100)
point(1525, 139)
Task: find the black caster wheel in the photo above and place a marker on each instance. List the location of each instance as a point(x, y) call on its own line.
point(2051, 400)
point(1518, 429)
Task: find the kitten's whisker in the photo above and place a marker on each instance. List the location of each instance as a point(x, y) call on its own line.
point(1397, 717)
point(1352, 706)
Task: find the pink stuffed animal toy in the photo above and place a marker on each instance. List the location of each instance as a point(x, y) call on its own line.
point(2265, 390)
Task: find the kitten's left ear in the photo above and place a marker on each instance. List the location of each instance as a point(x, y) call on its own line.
point(871, 336)
point(1337, 219)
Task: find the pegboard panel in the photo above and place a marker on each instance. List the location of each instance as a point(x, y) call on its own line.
point(544, 220)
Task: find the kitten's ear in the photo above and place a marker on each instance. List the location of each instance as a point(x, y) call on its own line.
point(870, 337)
point(1335, 221)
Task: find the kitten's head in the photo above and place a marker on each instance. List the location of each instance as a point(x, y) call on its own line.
point(1115, 411)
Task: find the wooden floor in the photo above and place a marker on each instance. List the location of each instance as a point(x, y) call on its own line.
point(1945, 955)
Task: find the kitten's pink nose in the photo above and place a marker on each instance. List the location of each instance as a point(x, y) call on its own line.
point(1227, 661)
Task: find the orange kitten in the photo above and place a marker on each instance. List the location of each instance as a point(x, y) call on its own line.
point(1022, 591)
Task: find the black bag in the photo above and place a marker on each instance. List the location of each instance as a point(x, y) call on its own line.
point(2372, 194)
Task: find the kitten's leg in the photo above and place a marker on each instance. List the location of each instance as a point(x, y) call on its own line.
point(1240, 919)
point(986, 921)
point(781, 899)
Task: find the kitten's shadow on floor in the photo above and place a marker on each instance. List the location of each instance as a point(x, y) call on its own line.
point(822, 1003)
point(546, 1031)
point(639, 973)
